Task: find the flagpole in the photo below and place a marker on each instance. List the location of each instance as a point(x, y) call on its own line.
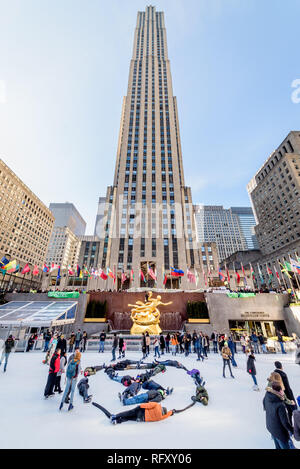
point(282, 275)
point(295, 274)
point(290, 281)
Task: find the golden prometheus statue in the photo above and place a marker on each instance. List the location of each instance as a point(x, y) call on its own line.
point(145, 316)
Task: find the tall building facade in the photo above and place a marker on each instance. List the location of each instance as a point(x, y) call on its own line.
point(149, 219)
point(275, 195)
point(64, 248)
point(98, 230)
point(247, 224)
point(66, 214)
point(89, 251)
point(25, 222)
point(221, 226)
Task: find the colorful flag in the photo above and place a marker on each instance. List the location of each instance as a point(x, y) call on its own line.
point(165, 278)
point(35, 270)
point(78, 271)
point(54, 266)
point(25, 269)
point(123, 277)
point(152, 274)
point(131, 275)
point(190, 276)
point(45, 268)
point(205, 278)
point(70, 271)
point(252, 272)
point(142, 276)
point(110, 273)
point(3, 262)
point(58, 274)
point(238, 277)
point(103, 275)
point(197, 277)
point(277, 274)
point(11, 266)
point(177, 272)
point(285, 269)
point(295, 266)
point(261, 278)
point(221, 275)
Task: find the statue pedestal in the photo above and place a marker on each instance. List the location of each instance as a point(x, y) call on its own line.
point(152, 329)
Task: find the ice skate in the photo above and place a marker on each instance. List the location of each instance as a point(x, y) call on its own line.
point(70, 407)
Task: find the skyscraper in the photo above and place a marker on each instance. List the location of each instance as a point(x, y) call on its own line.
point(66, 214)
point(247, 223)
point(149, 219)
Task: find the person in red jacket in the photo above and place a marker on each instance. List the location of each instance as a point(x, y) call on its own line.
point(53, 370)
point(148, 412)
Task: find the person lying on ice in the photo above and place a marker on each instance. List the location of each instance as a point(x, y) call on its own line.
point(195, 374)
point(201, 395)
point(92, 370)
point(135, 387)
point(83, 390)
point(150, 385)
point(149, 412)
point(149, 396)
point(171, 363)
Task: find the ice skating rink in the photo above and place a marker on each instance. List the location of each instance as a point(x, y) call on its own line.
point(234, 417)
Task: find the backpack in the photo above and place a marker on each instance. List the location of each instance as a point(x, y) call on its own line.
point(71, 370)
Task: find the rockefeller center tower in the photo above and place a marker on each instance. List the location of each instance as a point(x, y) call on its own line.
point(149, 224)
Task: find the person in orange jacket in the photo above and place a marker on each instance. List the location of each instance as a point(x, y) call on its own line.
point(148, 412)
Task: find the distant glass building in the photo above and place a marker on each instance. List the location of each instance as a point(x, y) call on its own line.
point(98, 231)
point(66, 214)
point(221, 226)
point(247, 222)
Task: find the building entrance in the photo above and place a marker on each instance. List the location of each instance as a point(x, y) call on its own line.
point(266, 328)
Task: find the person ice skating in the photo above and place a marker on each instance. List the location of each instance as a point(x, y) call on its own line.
point(71, 342)
point(144, 347)
point(30, 343)
point(83, 387)
point(62, 344)
point(148, 342)
point(277, 421)
point(51, 349)
point(124, 348)
point(198, 348)
point(214, 338)
point(252, 370)
point(287, 389)
point(7, 348)
point(72, 373)
point(148, 412)
point(296, 341)
point(83, 341)
point(162, 343)
point(114, 347)
point(232, 350)
point(61, 371)
point(255, 341)
point(226, 355)
point(156, 347)
point(149, 396)
point(53, 370)
point(102, 342)
point(78, 338)
point(47, 338)
point(121, 343)
point(167, 340)
point(174, 344)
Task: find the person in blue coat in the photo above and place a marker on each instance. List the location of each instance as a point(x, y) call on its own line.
point(232, 349)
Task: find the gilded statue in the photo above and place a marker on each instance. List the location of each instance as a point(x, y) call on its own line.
point(145, 316)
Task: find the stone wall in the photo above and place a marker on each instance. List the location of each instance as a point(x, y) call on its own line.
point(292, 319)
point(261, 307)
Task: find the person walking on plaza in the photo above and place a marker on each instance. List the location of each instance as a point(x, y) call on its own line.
point(168, 339)
point(30, 343)
point(71, 342)
point(280, 340)
point(72, 374)
point(252, 370)
point(114, 347)
point(53, 370)
point(277, 421)
point(162, 343)
point(78, 338)
point(226, 355)
point(8, 346)
point(254, 340)
point(102, 342)
point(262, 340)
point(156, 347)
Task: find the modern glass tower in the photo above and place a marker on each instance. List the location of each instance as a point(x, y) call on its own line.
point(149, 219)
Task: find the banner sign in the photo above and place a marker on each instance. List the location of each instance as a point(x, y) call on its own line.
point(63, 294)
point(240, 295)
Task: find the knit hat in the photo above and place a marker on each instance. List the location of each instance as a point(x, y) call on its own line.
point(194, 371)
point(162, 392)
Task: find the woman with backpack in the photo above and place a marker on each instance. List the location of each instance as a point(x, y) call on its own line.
point(72, 374)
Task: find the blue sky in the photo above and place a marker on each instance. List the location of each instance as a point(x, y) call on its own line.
point(64, 69)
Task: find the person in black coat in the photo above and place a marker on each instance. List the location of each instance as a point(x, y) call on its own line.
point(121, 343)
point(162, 343)
point(62, 344)
point(252, 370)
point(287, 389)
point(277, 421)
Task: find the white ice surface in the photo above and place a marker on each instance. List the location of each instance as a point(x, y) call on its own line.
point(234, 417)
